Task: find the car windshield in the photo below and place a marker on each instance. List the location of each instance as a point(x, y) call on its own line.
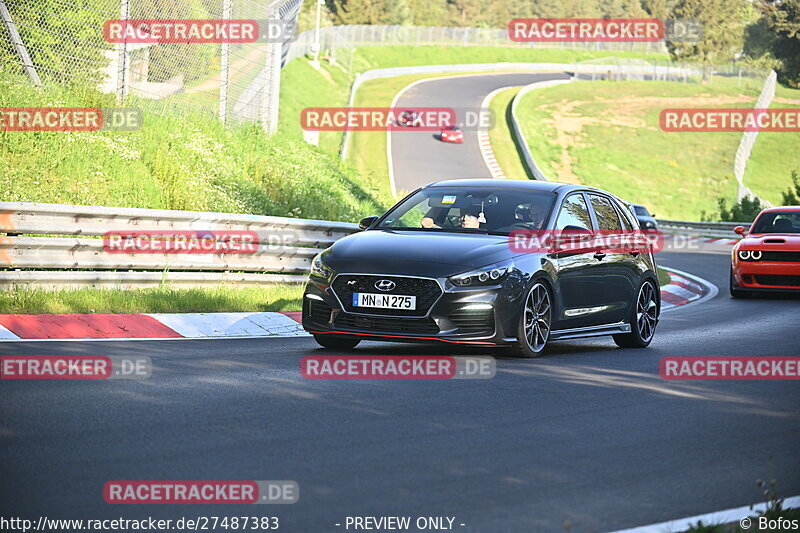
point(641, 211)
point(778, 222)
point(463, 209)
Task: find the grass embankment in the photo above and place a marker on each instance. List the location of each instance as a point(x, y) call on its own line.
point(607, 134)
point(157, 300)
point(173, 162)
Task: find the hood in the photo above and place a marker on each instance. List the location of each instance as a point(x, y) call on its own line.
point(788, 242)
point(420, 253)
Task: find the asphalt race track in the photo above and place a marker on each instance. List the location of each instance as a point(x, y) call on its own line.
point(587, 434)
point(419, 157)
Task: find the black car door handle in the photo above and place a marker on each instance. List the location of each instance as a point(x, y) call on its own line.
point(599, 256)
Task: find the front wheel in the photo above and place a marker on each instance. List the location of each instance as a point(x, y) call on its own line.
point(643, 320)
point(337, 342)
point(535, 321)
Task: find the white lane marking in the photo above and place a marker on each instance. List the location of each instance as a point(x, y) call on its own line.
point(718, 517)
point(711, 289)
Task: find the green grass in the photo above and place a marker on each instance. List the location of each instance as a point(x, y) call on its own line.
point(610, 138)
point(180, 161)
point(663, 277)
point(222, 298)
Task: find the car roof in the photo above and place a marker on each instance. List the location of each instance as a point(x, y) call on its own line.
point(520, 184)
point(783, 208)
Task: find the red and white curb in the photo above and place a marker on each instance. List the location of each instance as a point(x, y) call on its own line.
point(161, 326)
point(684, 289)
point(485, 144)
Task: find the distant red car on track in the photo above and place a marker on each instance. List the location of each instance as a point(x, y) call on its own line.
point(452, 134)
point(409, 119)
point(767, 259)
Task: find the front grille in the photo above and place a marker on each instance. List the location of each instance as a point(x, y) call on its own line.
point(473, 321)
point(427, 292)
point(319, 312)
point(418, 326)
point(792, 257)
point(785, 281)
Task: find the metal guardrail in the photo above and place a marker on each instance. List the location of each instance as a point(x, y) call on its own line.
point(54, 245)
point(722, 230)
point(60, 245)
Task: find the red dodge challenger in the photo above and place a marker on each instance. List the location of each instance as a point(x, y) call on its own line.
point(767, 259)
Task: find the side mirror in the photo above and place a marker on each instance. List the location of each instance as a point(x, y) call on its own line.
point(367, 222)
point(740, 230)
point(653, 215)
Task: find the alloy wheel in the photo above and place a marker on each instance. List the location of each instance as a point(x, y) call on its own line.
point(646, 310)
point(538, 317)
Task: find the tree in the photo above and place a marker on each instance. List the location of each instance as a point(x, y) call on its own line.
point(745, 211)
point(782, 17)
point(371, 11)
point(792, 197)
point(723, 31)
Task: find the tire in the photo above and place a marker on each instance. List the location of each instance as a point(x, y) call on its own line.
point(737, 293)
point(535, 321)
point(644, 319)
point(337, 342)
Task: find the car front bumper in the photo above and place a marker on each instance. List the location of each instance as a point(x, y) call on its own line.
point(467, 315)
point(767, 276)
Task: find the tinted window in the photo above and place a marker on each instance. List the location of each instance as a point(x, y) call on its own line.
point(574, 213)
point(607, 218)
point(626, 222)
point(641, 211)
point(778, 222)
point(497, 211)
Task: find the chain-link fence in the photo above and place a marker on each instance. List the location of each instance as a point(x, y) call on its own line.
point(632, 69)
point(58, 41)
point(344, 37)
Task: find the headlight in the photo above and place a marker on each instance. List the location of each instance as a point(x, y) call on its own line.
point(319, 268)
point(483, 276)
point(750, 255)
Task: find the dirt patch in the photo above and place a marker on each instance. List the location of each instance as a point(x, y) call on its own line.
point(569, 123)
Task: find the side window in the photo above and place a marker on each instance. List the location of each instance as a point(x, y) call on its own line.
point(627, 225)
point(574, 213)
point(606, 215)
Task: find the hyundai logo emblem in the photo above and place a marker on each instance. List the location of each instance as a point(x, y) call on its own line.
point(385, 285)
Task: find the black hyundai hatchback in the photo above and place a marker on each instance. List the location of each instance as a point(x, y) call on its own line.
point(441, 266)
